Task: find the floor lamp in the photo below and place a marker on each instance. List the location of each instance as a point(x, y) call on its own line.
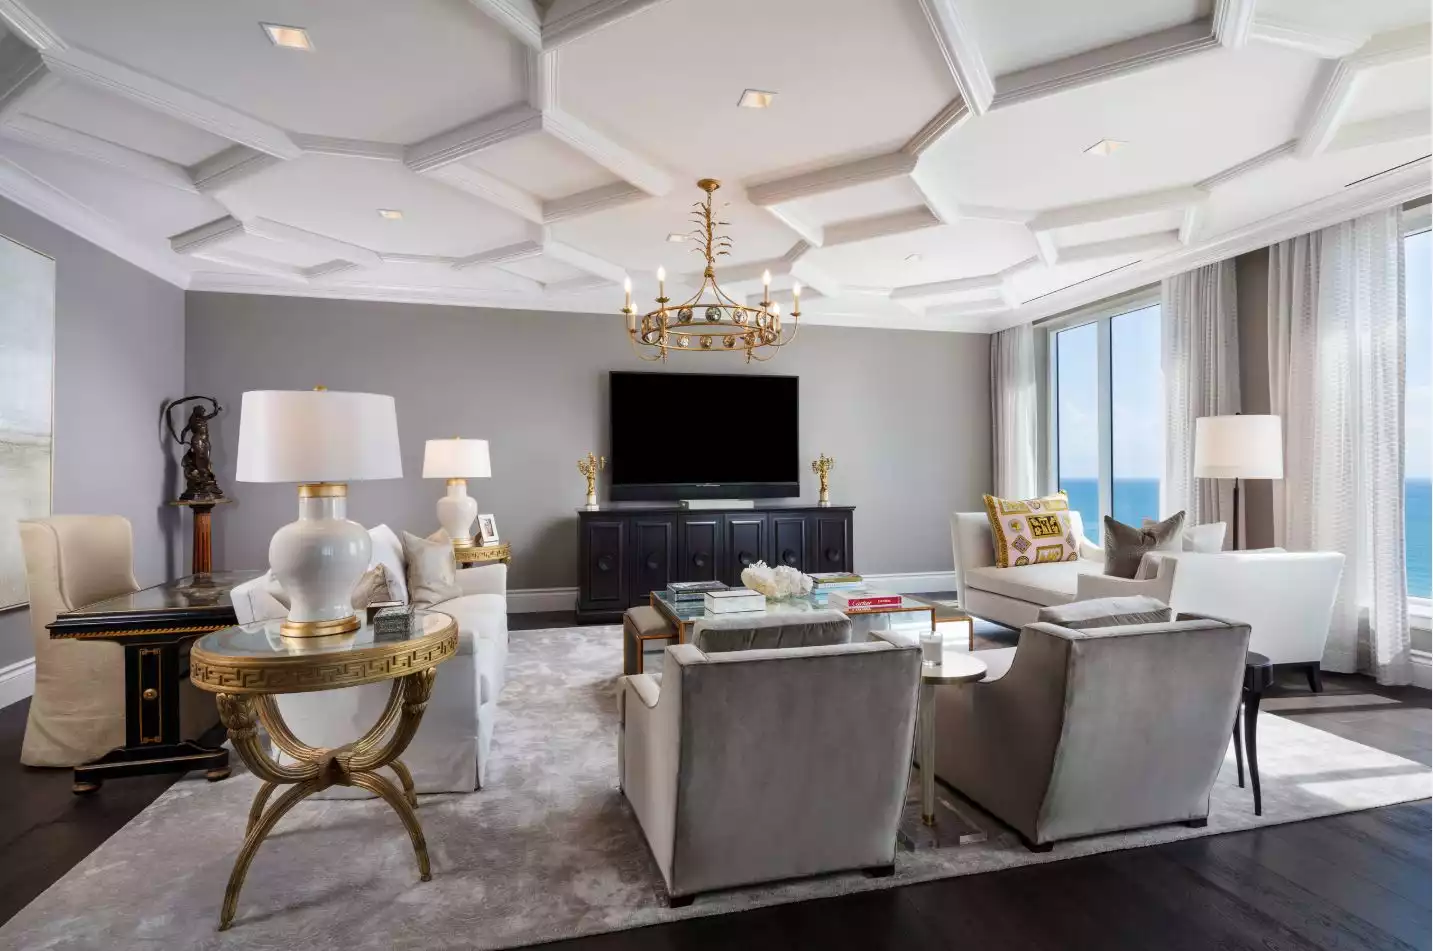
point(1238, 447)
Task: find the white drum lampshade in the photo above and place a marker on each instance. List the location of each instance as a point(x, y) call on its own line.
point(457, 460)
point(321, 440)
point(1238, 447)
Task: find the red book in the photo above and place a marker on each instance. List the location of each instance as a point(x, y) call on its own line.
point(863, 599)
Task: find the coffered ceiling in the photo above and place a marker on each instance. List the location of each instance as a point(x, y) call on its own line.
point(923, 163)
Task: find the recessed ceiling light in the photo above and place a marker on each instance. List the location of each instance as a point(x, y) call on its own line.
point(1106, 147)
point(675, 238)
point(756, 99)
point(912, 258)
point(392, 214)
point(289, 37)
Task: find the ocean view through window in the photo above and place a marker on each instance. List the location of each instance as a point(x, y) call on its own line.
point(1418, 408)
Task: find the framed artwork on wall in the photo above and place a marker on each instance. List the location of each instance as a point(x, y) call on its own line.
point(27, 374)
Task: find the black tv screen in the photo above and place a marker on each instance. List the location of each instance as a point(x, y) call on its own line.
point(703, 436)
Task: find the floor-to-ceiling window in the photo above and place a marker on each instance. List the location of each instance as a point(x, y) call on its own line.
point(1108, 401)
point(1418, 432)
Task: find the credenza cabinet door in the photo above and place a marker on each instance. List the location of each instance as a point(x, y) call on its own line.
point(654, 554)
point(604, 569)
point(702, 553)
point(830, 543)
point(745, 544)
point(789, 542)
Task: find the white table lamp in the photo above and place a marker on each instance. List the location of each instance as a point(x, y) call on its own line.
point(457, 460)
point(1238, 447)
point(322, 440)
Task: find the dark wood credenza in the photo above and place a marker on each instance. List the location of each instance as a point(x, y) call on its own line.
point(626, 552)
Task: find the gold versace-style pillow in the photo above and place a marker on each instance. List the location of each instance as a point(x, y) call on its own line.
point(1031, 531)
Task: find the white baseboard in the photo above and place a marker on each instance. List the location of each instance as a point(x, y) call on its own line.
point(1422, 669)
point(17, 681)
point(530, 600)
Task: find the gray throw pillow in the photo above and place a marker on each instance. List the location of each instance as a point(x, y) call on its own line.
point(1125, 545)
point(432, 571)
point(1107, 612)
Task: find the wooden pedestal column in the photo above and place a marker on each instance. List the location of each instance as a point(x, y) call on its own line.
point(202, 558)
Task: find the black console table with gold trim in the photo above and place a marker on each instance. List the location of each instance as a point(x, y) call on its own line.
point(153, 625)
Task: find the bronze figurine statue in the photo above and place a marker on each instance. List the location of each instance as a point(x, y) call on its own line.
point(199, 482)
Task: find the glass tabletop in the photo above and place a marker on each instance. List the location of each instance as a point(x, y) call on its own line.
point(263, 640)
point(695, 609)
point(194, 591)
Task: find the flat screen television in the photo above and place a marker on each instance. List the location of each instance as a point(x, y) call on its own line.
point(703, 436)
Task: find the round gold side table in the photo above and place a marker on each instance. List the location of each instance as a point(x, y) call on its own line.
point(246, 666)
point(483, 554)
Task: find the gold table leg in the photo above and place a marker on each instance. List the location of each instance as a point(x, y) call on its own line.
point(315, 769)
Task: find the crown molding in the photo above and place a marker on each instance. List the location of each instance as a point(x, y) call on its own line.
point(961, 52)
point(1156, 243)
point(491, 189)
point(231, 165)
point(288, 234)
point(606, 152)
point(813, 234)
point(29, 27)
point(582, 261)
point(24, 77)
point(1267, 157)
point(521, 18)
point(1305, 39)
point(82, 65)
point(58, 138)
point(507, 254)
point(1383, 191)
point(591, 201)
point(832, 178)
point(1384, 129)
point(472, 137)
point(1232, 21)
point(207, 236)
point(568, 21)
point(1342, 80)
point(1105, 63)
point(348, 148)
point(250, 262)
point(953, 116)
point(61, 209)
point(880, 226)
point(1045, 225)
point(984, 285)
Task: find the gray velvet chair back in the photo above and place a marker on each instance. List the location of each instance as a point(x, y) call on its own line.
point(760, 631)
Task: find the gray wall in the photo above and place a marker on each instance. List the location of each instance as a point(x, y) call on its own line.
point(1251, 275)
point(119, 354)
point(906, 415)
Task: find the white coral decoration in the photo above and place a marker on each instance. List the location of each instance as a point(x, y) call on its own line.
point(782, 581)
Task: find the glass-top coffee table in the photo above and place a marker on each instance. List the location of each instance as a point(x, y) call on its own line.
point(684, 614)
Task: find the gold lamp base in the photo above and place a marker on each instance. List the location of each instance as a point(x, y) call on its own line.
point(341, 625)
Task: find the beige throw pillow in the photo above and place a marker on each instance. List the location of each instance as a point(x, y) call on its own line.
point(1031, 531)
point(432, 571)
point(372, 587)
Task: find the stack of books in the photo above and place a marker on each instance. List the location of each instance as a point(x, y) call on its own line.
point(834, 580)
point(862, 600)
point(692, 590)
point(734, 601)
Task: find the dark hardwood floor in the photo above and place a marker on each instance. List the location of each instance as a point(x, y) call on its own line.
point(1351, 882)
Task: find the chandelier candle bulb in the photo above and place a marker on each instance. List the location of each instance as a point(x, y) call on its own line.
point(661, 283)
point(627, 289)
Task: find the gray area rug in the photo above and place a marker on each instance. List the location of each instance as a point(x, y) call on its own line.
point(549, 849)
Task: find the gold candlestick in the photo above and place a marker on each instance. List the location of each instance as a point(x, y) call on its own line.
point(822, 467)
point(589, 467)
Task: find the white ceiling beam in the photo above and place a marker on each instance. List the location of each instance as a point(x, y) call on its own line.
point(1142, 245)
point(576, 257)
point(591, 201)
point(953, 116)
point(810, 232)
point(22, 22)
point(58, 138)
point(521, 18)
point(288, 234)
point(1117, 209)
point(542, 69)
point(117, 79)
point(249, 262)
point(568, 20)
point(1395, 128)
point(938, 192)
point(472, 137)
point(399, 258)
point(1266, 157)
point(1094, 66)
point(329, 269)
point(233, 164)
point(1190, 222)
point(832, 178)
point(958, 45)
point(880, 226)
point(211, 235)
point(1305, 39)
point(575, 285)
point(983, 285)
point(1232, 20)
point(1342, 80)
point(968, 309)
point(1046, 247)
point(606, 152)
point(348, 148)
point(816, 277)
point(491, 189)
point(493, 257)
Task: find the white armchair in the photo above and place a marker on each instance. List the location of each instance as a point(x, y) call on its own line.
point(450, 753)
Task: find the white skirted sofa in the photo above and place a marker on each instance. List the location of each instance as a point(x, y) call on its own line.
point(450, 753)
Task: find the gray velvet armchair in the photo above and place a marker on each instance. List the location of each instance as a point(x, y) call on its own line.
point(1096, 730)
point(753, 766)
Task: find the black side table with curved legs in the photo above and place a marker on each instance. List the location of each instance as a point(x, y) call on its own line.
point(1258, 677)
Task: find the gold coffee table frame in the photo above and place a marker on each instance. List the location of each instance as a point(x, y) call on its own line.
point(244, 686)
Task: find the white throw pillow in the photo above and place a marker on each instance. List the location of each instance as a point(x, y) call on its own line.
point(388, 552)
point(1205, 538)
point(433, 575)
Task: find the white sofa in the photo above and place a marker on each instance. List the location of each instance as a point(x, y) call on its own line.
point(450, 753)
point(1285, 597)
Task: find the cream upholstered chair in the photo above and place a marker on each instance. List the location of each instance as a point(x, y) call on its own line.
point(747, 766)
point(1095, 730)
point(77, 712)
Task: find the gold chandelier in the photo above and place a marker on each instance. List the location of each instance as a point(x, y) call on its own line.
point(715, 321)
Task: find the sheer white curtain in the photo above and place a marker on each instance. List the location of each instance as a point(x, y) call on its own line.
point(1013, 411)
point(1336, 355)
point(1200, 355)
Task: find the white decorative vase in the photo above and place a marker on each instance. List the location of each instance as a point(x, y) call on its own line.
point(456, 512)
point(319, 560)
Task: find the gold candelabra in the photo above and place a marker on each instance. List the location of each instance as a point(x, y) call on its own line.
point(822, 467)
point(711, 319)
point(589, 467)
